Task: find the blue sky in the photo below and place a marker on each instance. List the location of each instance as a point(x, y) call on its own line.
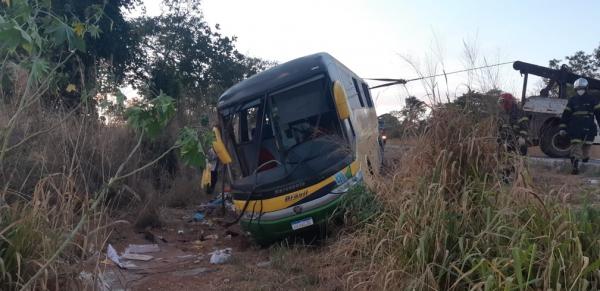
point(371, 36)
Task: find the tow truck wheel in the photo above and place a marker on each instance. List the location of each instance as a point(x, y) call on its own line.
point(553, 144)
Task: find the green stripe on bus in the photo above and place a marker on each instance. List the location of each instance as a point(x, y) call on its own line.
point(582, 113)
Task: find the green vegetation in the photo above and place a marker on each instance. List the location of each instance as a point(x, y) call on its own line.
point(71, 143)
point(73, 148)
point(359, 206)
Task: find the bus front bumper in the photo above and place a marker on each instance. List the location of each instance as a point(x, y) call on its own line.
point(268, 231)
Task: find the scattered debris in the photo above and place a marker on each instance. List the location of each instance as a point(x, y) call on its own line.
point(112, 254)
point(220, 256)
point(137, 257)
point(226, 281)
point(142, 249)
point(210, 205)
point(218, 202)
point(198, 216)
point(228, 237)
point(180, 231)
point(211, 237)
point(594, 181)
point(263, 264)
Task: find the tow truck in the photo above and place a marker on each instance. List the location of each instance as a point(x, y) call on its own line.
point(544, 110)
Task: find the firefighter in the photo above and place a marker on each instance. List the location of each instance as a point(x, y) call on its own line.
point(513, 125)
point(577, 123)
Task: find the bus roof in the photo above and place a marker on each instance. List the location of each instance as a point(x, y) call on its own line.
point(275, 78)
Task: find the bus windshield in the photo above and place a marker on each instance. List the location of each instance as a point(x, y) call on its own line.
point(283, 133)
point(303, 113)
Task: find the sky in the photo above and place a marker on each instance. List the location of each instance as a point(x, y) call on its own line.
point(373, 38)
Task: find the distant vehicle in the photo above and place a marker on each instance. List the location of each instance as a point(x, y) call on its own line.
point(382, 134)
point(299, 135)
point(545, 110)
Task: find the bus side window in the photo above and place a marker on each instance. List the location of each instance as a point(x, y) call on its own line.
point(362, 103)
point(367, 94)
point(244, 125)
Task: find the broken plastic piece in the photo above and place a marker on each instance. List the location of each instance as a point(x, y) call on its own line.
point(198, 216)
point(112, 254)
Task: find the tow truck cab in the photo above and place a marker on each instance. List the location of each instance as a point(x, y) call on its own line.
point(545, 109)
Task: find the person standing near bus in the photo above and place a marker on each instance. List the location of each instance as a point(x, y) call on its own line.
point(577, 123)
point(212, 165)
point(514, 125)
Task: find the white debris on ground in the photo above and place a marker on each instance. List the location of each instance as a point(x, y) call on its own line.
point(220, 256)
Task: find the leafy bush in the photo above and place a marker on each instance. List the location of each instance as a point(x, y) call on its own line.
point(358, 206)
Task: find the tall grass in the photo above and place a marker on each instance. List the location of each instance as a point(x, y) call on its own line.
point(49, 184)
point(31, 230)
point(449, 223)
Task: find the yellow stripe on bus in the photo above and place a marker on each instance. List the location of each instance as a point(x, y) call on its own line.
point(286, 200)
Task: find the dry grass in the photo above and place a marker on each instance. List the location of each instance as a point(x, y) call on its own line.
point(52, 179)
point(450, 224)
point(32, 229)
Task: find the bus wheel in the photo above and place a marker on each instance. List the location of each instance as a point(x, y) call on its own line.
point(552, 144)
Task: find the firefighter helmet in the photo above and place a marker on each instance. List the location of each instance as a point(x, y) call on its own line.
point(580, 84)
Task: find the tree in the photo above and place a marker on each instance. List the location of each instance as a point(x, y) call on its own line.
point(580, 63)
point(597, 56)
point(104, 55)
point(478, 105)
point(392, 125)
point(413, 110)
point(180, 54)
point(583, 64)
point(113, 46)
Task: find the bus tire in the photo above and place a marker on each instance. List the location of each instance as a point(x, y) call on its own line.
point(552, 144)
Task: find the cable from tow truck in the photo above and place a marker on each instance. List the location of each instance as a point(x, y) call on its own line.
point(392, 81)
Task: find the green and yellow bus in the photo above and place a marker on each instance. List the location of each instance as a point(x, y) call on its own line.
point(296, 137)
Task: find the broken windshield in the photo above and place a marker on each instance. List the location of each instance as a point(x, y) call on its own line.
point(297, 124)
point(303, 113)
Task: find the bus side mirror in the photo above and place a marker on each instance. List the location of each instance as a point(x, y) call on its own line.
point(220, 148)
point(341, 100)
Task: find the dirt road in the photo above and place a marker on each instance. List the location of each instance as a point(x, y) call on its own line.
point(183, 262)
point(536, 152)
